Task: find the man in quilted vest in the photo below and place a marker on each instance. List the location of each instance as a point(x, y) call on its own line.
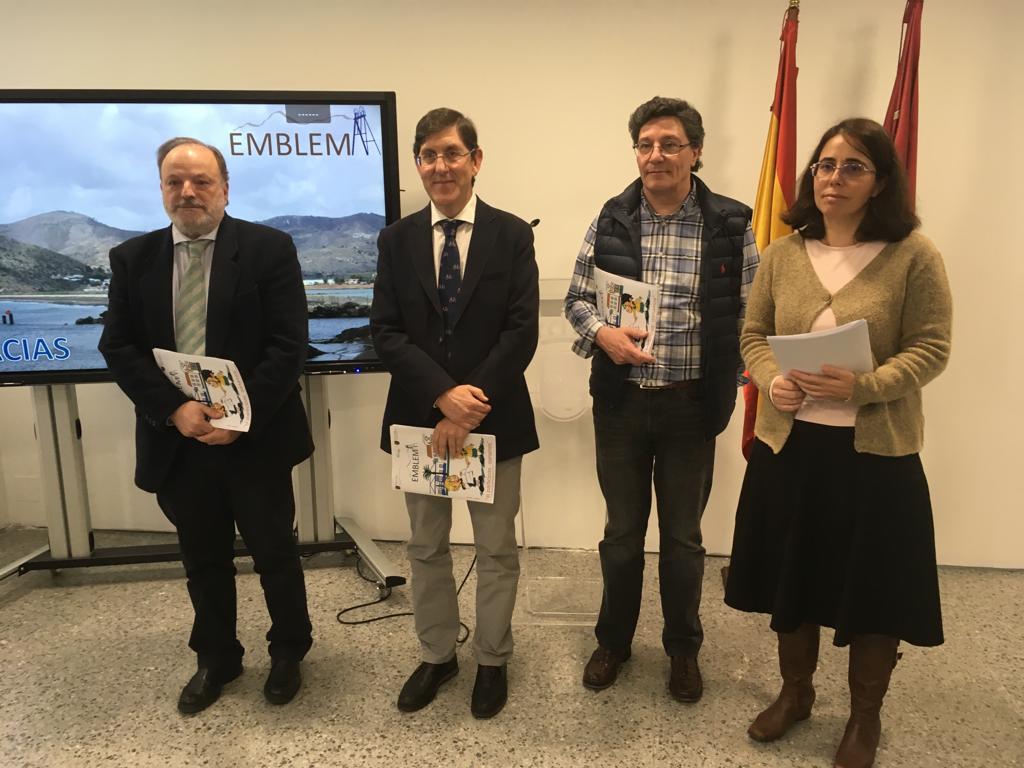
point(660, 402)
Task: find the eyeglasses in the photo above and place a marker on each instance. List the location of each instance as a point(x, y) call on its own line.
point(451, 157)
point(849, 170)
point(644, 148)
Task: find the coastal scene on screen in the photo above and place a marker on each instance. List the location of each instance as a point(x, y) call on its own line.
point(76, 179)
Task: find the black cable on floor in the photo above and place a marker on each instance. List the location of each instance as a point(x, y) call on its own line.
point(385, 593)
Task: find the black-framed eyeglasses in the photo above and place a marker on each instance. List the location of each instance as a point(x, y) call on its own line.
point(849, 169)
point(644, 148)
point(451, 157)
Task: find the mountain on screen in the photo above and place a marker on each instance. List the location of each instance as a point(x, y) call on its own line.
point(26, 268)
point(72, 234)
point(330, 247)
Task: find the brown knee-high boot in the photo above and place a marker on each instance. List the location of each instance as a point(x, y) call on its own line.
point(798, 658)
point(872, 658)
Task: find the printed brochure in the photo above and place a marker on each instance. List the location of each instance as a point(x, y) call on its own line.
point(212, 381)
point(417, 469)
point(625, 303)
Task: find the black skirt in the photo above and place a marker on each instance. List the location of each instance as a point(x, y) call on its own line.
point(830, 536)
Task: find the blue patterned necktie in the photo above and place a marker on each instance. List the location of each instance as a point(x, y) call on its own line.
point(449, 277)
point(190, 307)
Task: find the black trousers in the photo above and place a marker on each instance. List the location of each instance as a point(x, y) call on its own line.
point(655, 434)
point(208, 492)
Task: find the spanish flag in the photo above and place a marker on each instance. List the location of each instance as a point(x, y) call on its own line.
point(901, 116)
point(777, 186)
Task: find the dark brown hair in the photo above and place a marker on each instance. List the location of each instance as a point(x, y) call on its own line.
point(660, 106)
point(890, 216)
point(440, 119)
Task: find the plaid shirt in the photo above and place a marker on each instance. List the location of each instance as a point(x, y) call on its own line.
point(670, 248)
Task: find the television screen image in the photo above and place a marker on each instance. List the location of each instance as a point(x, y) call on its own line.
point(78, 175)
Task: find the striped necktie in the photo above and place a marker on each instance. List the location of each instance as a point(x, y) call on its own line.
point(190, 307)
point(449, 276)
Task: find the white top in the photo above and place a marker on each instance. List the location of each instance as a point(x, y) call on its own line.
point(462, 235)
point(835, 267)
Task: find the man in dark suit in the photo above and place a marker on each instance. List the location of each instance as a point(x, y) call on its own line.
point(213, 285)
point(454, 317)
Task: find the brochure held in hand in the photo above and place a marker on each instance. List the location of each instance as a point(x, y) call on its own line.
point(212, 381)
point(625, 303)
point(417, 468)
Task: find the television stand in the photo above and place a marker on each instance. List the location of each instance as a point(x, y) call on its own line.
point(65, 496)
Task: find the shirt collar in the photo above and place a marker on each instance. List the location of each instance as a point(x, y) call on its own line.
point(688, 207)
point(178, 237)
point(467, 214)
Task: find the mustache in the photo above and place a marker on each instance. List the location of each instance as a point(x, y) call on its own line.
point(189, 203)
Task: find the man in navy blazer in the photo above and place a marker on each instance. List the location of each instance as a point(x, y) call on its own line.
point(454, 318)
point(246, 303)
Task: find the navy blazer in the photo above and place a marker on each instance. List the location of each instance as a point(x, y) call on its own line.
point(256, 316)
point(494, 336)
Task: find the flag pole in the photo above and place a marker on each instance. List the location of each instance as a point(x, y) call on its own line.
point(901, 115)
point(776, 186)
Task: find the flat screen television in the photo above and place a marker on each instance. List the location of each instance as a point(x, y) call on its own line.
point(78, 176)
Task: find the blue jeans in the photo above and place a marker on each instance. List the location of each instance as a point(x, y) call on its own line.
point(653, 433)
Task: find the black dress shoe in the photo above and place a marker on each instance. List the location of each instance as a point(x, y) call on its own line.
point(204, 689)
point(490, 691)
point(421, 687)
point(283, 682)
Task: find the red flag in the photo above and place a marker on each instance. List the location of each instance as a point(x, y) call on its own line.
point(776, 188)
point(901, 116)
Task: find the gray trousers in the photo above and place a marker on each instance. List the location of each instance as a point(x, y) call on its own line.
point(435, 605)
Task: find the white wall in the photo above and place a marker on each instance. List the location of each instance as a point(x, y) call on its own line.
point(550, 87)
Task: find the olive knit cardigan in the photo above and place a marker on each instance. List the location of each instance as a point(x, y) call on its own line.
point(903, 294)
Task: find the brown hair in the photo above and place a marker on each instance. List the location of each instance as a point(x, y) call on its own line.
point(889, 216)
point(442, 118)
point(683, 111)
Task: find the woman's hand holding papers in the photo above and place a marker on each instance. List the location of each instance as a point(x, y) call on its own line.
point(832, 383)
point(785, 394)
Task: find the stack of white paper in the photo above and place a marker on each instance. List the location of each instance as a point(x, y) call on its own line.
point(847, 346)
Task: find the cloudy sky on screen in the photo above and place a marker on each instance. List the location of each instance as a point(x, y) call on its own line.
point(99, 160)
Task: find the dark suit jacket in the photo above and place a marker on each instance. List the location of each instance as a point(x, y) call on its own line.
point(494, 336)
point(256, 316)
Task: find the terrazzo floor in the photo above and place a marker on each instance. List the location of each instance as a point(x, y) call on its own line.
point(92, 660)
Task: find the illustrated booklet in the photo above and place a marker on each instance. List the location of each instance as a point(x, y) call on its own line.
point(417, 468)
point(625, 303)
point(212, 381)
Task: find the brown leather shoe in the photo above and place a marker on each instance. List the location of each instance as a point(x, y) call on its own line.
point(685, 683)
point(603, 668)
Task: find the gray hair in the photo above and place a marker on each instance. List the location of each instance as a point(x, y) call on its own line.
point(165, 149)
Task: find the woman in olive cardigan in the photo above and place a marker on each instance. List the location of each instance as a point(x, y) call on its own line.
point(834, 523)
